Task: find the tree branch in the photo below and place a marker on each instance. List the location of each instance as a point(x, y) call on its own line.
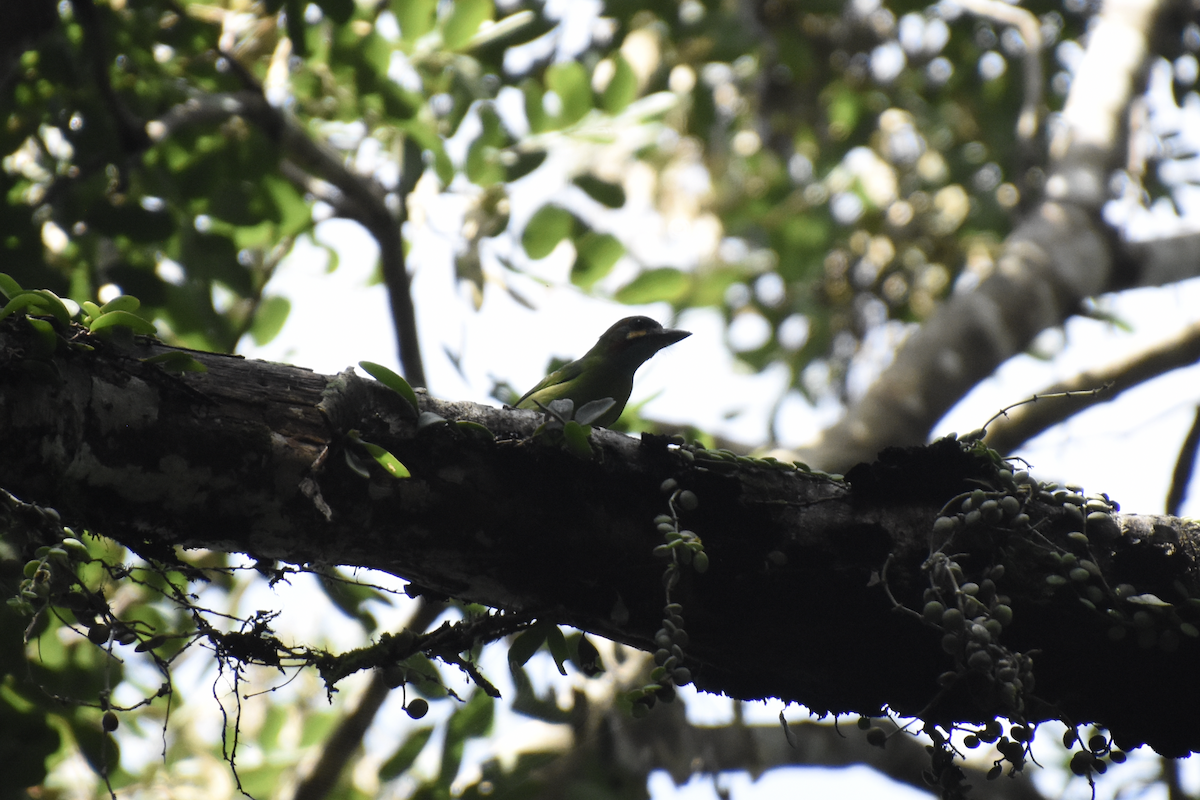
point(252, 457)
point(1025, 422)
point(362, 198)
point(1060, 254)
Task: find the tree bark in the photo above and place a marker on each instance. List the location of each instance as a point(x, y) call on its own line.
point(797, 603)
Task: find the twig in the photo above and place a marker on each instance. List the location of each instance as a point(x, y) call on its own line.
point(1006, 434)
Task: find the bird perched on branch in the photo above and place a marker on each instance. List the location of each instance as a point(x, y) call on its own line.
point(607, 369)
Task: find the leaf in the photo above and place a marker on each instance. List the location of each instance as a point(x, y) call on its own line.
point(475, 429)
point(176, 362)
point(587, 657)
point(526, 701)
point(1148, 600)
point(525, 645)
point(268, 321)
point(9, 287)
point(596, 254)
point(124, 302)
point(545, 229)
point(603, 192)
point(576, 436)
point(386, 460)
point(356, 464)
point(524, 164)
point(401, 760)
point(122, 319)
point(569, 80)
point(653, 286)
point(349, 597)
point(415, 17)
point(592, 411)
point(20, 303)
point(46, 340)
point(393, 381)
point(53, 305)
point(464, 21)
point(535, 110)
point(622, 89)
point(483, 165)
point(558, 647)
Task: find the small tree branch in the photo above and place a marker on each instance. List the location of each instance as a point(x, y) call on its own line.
point(1022, 424)
point(1185, 466)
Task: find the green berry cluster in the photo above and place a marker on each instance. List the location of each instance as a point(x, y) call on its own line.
point(682, 548)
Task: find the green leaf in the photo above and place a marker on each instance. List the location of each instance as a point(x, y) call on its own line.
point(569, 80)
point(622, 89)
point(176, 362)
point(443, 166)
point(525, 645)
point(545, 229)
point(386, 460)
point(122, 319)
point(415, 17)
point(20, 303)
point(53, 305)
point(666, 283)
point(45, 339)
point(524, 164)
point(576, 436)
point(401, 760)
point(464, 21)
point(268, 321)
point(596, 253)
point(125, 302)
point(558, 647)
point(9, 287)
point(393, 381)
point(603, 192)
point(535, 110)
point(475, 429)
point(483, 166)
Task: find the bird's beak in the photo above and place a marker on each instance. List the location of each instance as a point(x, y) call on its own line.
point(665, 337)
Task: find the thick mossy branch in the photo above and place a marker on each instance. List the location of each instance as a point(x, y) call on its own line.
point(795, 603)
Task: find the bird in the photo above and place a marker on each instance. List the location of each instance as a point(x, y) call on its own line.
point(607, 369)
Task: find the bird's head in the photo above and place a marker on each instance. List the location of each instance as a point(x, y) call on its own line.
point(631, 341)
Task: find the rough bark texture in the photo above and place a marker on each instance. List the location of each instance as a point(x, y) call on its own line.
point(249, 457)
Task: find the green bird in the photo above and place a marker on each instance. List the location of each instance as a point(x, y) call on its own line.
point(607, 369)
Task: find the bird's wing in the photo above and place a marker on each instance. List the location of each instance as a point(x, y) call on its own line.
point(560, 375)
